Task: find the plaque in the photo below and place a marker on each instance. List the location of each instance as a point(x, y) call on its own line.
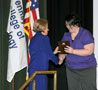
point(62, 45)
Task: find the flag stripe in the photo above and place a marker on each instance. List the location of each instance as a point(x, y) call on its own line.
point(26, 20)
point(27, 10)
point(29, 0)
point(34, 15)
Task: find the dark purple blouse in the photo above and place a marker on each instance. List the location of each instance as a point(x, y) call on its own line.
point(84, 37)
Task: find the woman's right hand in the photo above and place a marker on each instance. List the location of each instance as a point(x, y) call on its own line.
point(61, 58)
point(56, 50)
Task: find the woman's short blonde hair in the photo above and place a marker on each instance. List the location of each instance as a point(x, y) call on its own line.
point(40, 25)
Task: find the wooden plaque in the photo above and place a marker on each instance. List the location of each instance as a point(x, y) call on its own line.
point(62, 45)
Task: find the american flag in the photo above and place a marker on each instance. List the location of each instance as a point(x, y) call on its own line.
point(31, 15)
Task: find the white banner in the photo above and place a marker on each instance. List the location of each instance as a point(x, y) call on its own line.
point(17, 55)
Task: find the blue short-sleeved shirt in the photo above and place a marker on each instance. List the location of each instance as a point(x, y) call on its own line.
point(84, 37)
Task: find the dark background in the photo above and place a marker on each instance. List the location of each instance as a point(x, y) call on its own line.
point(54, 11)
point(56, 14)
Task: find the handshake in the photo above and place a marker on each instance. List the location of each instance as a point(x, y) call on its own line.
point(63, 49)
point(60, 56)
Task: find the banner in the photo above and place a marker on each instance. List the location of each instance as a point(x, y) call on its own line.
point(17, 54)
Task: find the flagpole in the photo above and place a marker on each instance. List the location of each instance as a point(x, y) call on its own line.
point(13, 83)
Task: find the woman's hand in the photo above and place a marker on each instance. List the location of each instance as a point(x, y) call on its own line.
point(69, 49)
point(56, 50)
point(61, 58)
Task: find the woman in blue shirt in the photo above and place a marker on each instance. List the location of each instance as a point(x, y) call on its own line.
point(80, 60)
point(41, 53)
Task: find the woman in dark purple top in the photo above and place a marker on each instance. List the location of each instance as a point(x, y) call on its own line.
point(80, 60)
point(41, 53)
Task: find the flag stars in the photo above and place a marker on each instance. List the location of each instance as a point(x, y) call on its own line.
point(33, 5)
point(35, 0)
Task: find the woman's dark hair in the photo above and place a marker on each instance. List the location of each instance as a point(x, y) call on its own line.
point(73, 20)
